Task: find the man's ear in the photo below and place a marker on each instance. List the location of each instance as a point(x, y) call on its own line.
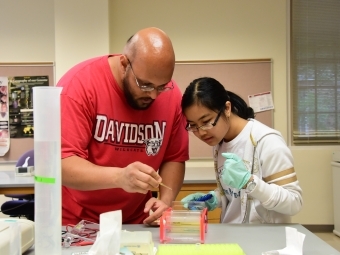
point(123, 63)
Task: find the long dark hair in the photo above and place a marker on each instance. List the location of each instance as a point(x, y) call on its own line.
point(210, 93)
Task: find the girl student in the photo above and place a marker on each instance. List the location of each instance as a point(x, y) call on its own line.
point(254, 167)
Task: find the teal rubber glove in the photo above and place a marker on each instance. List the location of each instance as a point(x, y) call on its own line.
point(235, 173)
point(211, 204)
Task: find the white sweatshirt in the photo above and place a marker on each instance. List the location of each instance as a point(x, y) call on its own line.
point(277, 194)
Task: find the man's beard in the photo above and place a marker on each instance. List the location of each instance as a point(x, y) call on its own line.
point(129, 97)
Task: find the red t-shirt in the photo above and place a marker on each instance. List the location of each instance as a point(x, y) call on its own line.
point(97, 124)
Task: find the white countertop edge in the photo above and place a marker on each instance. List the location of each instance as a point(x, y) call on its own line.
point(199, 174)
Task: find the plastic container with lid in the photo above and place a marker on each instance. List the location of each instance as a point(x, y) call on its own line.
point(179, 224)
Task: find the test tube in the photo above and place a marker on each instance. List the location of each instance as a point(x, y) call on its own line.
point(47, 167)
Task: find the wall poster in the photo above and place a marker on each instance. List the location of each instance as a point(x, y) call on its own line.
point(20, 77)
point(4, 117)
point(20, 96)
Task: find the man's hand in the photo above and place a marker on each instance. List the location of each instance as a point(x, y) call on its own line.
point(138, 177)
point(157, 206)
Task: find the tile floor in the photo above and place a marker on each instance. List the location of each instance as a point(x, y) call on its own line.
point(330, 238)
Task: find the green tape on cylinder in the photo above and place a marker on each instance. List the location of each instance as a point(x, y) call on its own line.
point(44, 179)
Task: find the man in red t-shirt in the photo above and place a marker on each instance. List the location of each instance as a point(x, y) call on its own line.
point(123, 132)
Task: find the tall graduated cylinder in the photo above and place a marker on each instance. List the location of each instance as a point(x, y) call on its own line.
point(47, 168)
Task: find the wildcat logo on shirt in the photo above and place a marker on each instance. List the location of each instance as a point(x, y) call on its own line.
point(130, 136)
point(152, 146)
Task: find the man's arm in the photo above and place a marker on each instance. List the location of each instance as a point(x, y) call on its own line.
point(78, 173)
point(172, 174)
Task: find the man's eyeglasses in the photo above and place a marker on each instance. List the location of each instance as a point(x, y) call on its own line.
point(149, 88)
point(206, 126)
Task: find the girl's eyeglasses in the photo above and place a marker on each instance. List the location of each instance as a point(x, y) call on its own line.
point(206, 126)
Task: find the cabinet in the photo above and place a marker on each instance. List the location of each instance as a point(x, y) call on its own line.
point(213, 216)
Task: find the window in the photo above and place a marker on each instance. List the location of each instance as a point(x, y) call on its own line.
point(315, 70)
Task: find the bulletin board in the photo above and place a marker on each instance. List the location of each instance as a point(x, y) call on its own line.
point(19, 146)
point(243, 77)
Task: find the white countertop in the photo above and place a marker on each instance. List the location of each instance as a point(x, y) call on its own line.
point(8, 179)
point(252, 238)
point(199, 175)
point(192, 175)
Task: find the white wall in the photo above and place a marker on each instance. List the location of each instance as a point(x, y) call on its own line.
point(227, 29)
point(217, 29)
point(214, 30)
point(26, 31)
point(26, 35)
point(81, 32)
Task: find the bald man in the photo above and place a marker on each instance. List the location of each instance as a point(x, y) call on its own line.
point(122, 133)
